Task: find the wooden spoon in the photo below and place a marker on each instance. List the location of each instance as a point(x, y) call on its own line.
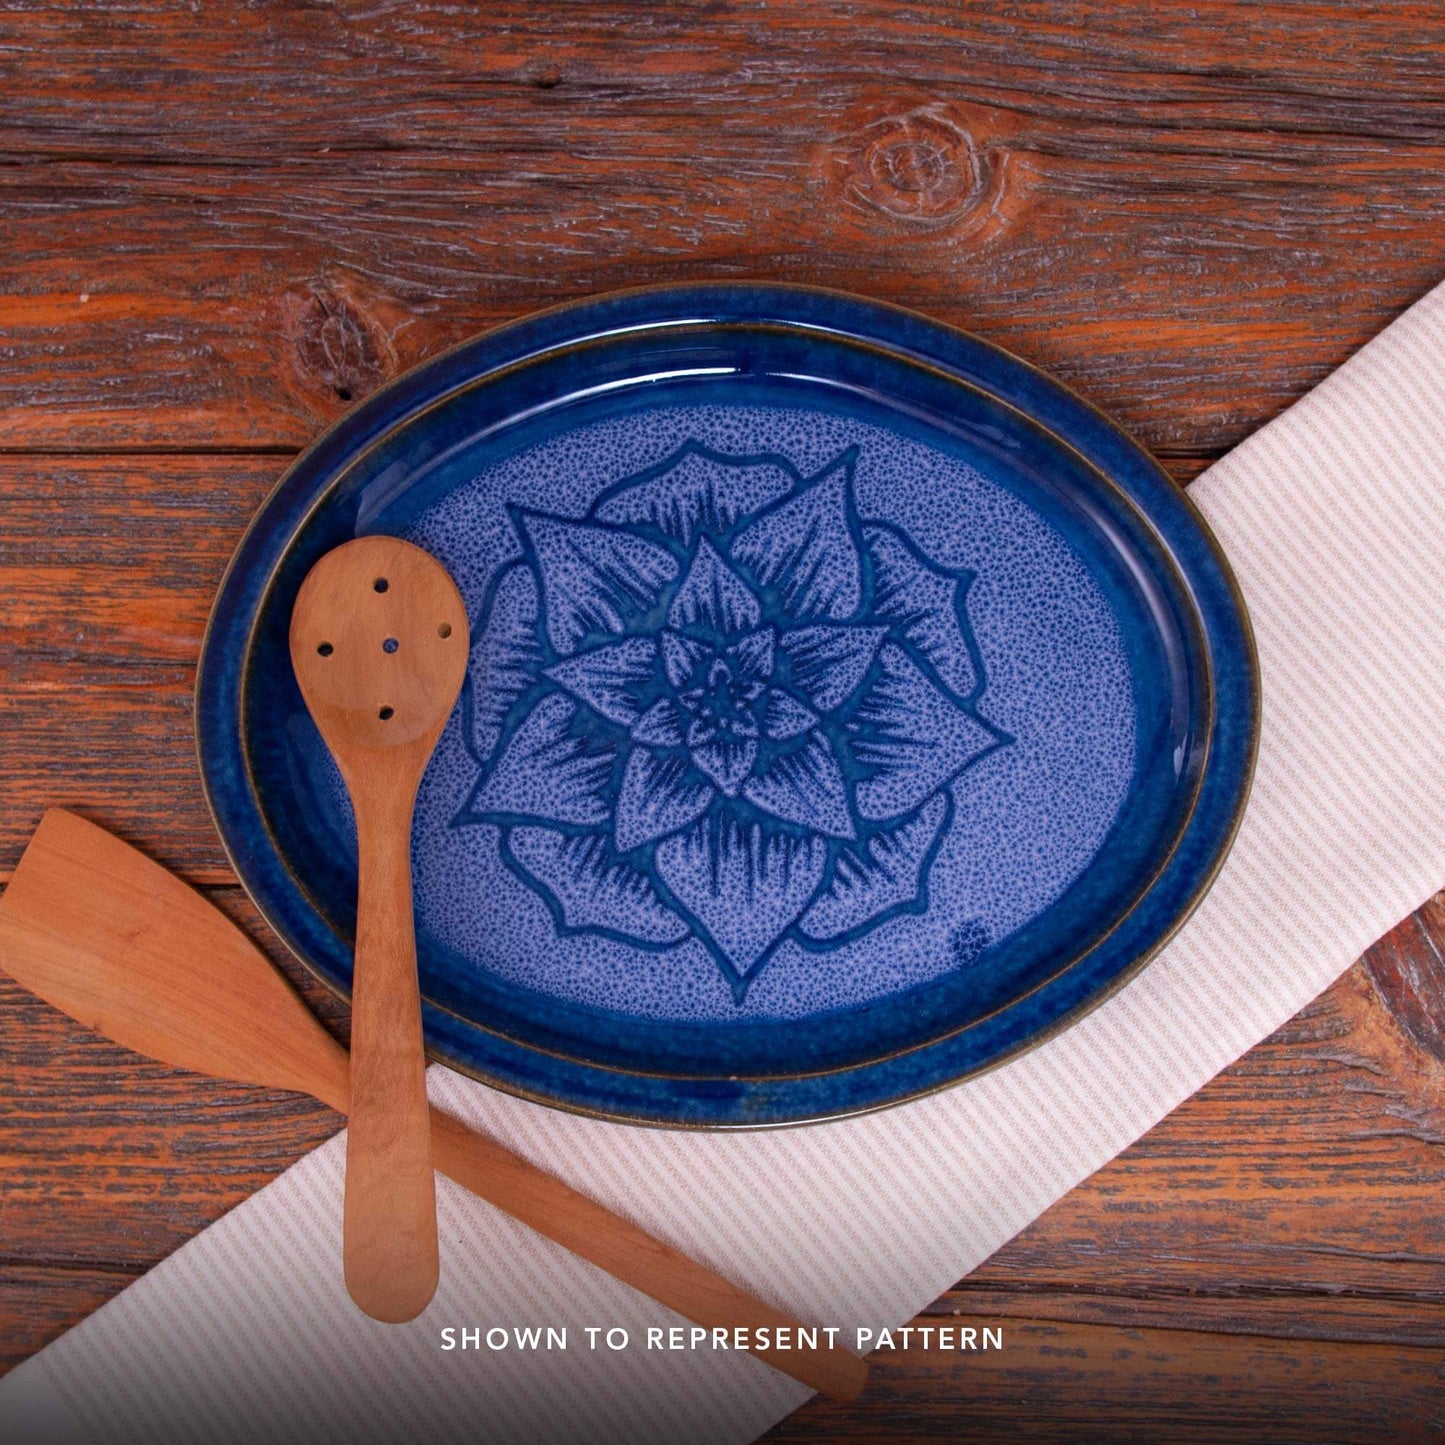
point(112, 939)
point(379, 644)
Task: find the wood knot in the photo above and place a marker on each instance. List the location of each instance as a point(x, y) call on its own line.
point(931, 167)
point(917, 167)
point(338, 345)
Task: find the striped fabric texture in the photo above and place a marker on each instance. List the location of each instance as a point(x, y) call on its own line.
point(1334, 519)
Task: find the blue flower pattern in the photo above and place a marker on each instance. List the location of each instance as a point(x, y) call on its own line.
point(720, 706)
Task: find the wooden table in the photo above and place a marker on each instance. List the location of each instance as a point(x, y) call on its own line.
point(219, 229)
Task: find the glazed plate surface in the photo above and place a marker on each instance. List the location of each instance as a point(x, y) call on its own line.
point(849, 706)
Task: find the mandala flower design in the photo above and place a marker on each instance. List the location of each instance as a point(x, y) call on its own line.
point(723, 707)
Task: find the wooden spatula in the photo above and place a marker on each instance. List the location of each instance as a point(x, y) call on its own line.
point(379, 645)
point(118, 943)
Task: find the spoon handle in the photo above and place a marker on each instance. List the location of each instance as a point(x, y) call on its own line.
point(389, 1232)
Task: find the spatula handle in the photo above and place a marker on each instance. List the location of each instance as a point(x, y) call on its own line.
point(628, 1253)
point(389, 1228)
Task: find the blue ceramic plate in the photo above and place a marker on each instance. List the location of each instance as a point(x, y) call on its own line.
point(849, 707)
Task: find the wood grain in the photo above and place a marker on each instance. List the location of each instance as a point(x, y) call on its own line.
point(1163, 223)
point(107, 569)
point(1055, 1383)
point(1142, 309)
point(217, 229)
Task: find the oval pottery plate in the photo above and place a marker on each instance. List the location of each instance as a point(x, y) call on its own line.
point(849, 705)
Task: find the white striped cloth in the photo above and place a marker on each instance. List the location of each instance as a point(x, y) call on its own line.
point(1334, 518)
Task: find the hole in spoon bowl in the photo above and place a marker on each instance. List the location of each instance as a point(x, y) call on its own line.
point(390, 645)
point(325, 649)
point(380, 585)
point(386, 714)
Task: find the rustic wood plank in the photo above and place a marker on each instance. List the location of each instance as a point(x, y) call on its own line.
point(167, 80)
point(108, 567)
point(40, 1302)
point(1191, 317)
point(113, 1160)
point(1381, 1318)
point(1055, 1382)
point(1163, 221)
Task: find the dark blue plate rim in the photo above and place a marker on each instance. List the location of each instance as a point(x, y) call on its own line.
point(639, 1097)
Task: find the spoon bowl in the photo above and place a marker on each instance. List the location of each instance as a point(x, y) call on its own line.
point(379, 644)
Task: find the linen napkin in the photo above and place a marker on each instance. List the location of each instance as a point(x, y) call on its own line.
point(1334, 519)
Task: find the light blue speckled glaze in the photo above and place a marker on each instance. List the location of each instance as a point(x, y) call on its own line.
point(1022, 822)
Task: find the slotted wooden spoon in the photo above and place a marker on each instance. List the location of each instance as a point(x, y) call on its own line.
point(112, 939)
point(379, 645)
